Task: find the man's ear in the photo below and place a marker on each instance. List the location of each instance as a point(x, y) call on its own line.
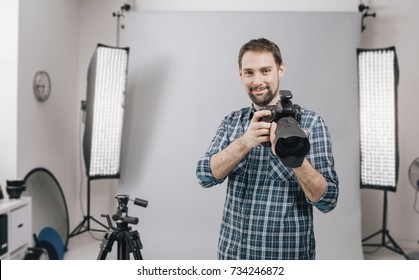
point(281, 69)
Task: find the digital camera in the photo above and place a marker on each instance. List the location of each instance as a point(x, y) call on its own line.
point(291, 142)
point(284, 108)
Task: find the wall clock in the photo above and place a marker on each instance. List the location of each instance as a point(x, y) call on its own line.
point(41, 85)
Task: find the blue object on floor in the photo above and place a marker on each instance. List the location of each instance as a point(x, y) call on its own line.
point(50, 235)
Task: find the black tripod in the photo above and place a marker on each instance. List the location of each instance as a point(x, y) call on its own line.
point(385, 233)
point(128, 241)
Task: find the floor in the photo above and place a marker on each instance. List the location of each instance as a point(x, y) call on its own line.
point(411, 249)
point(87, 246)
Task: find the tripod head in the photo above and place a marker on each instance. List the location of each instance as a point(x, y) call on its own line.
point(121, 214)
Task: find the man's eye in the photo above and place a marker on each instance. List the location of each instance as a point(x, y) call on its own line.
point(248, 73)
point(266, 71)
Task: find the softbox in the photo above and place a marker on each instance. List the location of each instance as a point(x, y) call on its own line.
point(378, 80)
point(106, 87)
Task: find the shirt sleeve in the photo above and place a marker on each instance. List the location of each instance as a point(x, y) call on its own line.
point(203, 169)
point(321, 157)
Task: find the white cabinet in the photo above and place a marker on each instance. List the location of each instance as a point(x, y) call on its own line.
point(19, 225)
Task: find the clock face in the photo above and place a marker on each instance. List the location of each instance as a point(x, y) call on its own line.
point(41, 85)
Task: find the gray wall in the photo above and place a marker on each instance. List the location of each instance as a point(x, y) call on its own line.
point(183, 79)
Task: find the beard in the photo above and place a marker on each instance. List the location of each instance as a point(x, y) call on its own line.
point(265, 99)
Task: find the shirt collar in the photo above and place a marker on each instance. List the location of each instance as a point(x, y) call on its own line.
point(252, 111)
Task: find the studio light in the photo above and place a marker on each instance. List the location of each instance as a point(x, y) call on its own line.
point(378, 77)
point(104, 113)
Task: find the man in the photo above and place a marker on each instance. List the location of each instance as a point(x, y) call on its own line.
point(268, 212)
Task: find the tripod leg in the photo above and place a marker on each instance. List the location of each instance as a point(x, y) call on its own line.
point(137, 255)
point(372, 235)
point(137, 246)
point(80, 228)
point(123, 253)
point(128, 242)
point(396, 248)
point(106, 245)
point(101, 224)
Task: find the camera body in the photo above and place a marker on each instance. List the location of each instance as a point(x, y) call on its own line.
point(284, 108)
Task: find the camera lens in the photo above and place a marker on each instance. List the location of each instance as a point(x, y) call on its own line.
point(291, 145)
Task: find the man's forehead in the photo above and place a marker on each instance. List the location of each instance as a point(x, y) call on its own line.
point(261, 59)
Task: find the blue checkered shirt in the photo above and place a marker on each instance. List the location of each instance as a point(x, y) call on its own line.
point(266, 213)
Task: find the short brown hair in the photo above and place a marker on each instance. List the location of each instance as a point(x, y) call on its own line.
point(261, 45)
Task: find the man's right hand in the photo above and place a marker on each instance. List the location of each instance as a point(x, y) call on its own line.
point(258, 131)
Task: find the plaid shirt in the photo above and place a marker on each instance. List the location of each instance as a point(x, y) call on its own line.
point(266, 213)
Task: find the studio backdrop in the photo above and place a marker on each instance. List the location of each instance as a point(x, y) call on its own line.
point(183, 80)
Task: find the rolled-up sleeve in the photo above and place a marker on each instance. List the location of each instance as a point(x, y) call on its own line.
point(321, 157)
point(203, 169)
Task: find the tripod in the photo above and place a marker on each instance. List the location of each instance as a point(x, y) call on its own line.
point(128, 241)
point(385, 233)
point(85, 223)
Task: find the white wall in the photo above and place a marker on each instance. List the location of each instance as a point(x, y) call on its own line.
point(395, 25)
point(8, 85)
point(48, 131)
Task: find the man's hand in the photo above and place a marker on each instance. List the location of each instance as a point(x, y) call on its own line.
point(258, 131)
point(225, 160)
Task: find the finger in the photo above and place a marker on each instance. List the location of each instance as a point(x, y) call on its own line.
point(272, 137)
point(263, 139)
point(264, 132)
point(272, 131)
point(262, 128)
point(258, 114)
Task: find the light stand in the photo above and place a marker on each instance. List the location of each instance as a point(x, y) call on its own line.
point(386, 238)
point(118, 15)
point(378, 74)
point(104, 112)
point(85, 223)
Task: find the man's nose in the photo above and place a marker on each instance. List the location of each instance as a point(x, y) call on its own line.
point(257, 79)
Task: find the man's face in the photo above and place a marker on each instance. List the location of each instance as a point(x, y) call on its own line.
point(260, 76)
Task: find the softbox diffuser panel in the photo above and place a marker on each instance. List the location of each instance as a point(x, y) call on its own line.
point(378, 80)
point(106, 87)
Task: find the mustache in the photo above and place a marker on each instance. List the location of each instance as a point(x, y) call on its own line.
point(252, 88)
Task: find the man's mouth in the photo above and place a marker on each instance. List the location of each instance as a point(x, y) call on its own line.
point(258, 90)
